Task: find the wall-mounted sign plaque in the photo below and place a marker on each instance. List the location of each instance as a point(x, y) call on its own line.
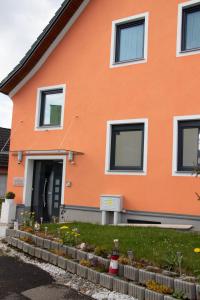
point(18, 181)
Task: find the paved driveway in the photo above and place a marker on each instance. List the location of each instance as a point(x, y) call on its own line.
point(19, 281)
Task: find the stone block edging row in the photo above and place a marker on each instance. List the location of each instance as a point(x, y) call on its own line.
point(134, 278)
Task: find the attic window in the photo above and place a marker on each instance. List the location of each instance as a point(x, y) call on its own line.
point(50, 108)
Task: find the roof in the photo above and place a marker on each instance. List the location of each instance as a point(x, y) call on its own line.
point(4, 146)
point(45, 39)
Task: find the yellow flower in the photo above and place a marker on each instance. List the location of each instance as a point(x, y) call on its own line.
point(64, 227)
point(197, 250)
point(76, 234)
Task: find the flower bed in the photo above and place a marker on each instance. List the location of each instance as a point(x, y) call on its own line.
point(140, 283)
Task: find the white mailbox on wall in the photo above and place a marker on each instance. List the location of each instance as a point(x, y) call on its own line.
point(111, 203)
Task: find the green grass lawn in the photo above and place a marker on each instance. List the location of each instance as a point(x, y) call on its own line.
point(157, 246)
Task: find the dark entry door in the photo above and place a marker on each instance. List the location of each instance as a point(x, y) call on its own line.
point(47, 188)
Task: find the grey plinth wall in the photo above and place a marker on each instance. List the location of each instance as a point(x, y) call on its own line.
point(94, 215)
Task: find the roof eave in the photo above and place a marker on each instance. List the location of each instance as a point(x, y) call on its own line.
point(61, 18)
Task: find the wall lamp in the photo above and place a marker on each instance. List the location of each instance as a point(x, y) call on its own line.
point(19, 157)
point(71, 156)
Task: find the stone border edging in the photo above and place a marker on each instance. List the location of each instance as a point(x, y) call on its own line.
point(137, 276)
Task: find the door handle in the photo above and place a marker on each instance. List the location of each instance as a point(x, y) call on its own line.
point(44, 192)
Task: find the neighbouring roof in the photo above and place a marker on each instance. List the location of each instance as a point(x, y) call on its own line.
point(4, 146)
point(57, 23)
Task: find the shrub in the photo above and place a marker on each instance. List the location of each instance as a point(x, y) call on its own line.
point(10, 195)
point(27, 240)
point(124, 260)
point(85, 263)
point(179, 295)
point(101, 251)
point(69, 236)
point(157, 287)
point(28, 219)
point(100, 268)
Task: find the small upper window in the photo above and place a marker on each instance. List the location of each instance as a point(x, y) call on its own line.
point(190, 28)
point(188, 145)
point(51, 106)
point(127, 143)
point(130, 41)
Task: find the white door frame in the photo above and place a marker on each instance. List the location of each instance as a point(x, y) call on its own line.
point(28, 176)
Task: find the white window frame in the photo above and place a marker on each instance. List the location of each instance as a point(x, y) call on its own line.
point(181, 6)
point(176, 119)
point(38, 108)
point(144, 16)
point(108, 146)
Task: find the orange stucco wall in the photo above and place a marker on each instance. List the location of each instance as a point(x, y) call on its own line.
point(164, 87)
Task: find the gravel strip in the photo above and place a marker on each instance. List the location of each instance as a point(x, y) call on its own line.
point(70, 280)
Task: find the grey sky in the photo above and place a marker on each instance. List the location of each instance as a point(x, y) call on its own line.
point(21, 21)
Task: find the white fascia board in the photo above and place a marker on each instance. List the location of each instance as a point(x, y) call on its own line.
point(50, 49)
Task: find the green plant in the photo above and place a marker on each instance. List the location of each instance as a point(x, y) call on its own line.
point(152, 246)
point(10, 195)
point(28, 229)
point(85, 263)
point(157, 287)
point(170, 261)
point(69, 236)
point(101, 251)
point(28, 219)
point(124, 260)
point(100, 268)
point(179, 295)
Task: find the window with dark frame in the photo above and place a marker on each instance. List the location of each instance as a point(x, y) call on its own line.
point(190, 28)
point(130, 41)
point(188, 145)
point(127, 147)
point(51, 105)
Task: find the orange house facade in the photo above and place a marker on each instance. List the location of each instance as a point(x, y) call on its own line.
point(106, 102)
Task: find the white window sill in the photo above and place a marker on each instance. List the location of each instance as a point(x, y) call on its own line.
point(183, 173)
point(132, 173)
point(47, 128)
point(128, 63)
point(188, 52)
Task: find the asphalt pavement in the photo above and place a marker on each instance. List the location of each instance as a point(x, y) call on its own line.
point(21, 281)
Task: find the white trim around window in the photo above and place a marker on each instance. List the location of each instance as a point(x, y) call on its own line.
point(144, 16)
point(28, 176)
point(176, 119)
point(38, 107)
point(181, 6)
point(108, 146)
